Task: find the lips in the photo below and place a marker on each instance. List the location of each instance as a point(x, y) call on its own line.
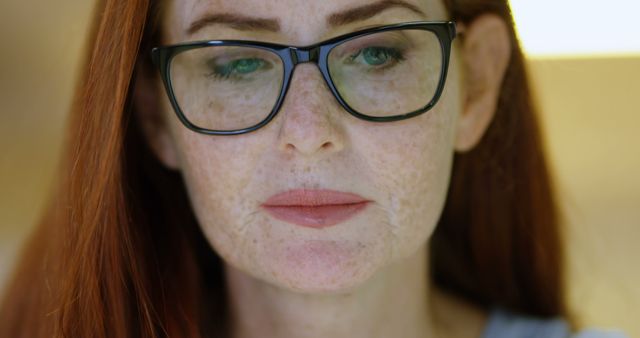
point(314, 208)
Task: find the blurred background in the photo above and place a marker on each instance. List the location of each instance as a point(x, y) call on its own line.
point(584, 60)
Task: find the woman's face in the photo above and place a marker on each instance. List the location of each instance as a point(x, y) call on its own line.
point(401, 168)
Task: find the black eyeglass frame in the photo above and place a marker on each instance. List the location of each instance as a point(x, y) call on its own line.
point(317, 53)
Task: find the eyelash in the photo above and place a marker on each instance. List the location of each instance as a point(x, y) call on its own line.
point(397, 55)
point(218, 74)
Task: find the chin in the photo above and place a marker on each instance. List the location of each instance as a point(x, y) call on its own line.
point(320, 266)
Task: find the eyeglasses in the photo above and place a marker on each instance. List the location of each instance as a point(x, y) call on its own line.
point(381, 74)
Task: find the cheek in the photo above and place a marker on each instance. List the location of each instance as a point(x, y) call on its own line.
point(413, 171)
point(219, 173)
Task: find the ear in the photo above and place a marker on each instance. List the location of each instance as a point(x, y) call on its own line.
point(155, 129)
point(486, 52)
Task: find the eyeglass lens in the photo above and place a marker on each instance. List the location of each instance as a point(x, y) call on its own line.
point(382, 74)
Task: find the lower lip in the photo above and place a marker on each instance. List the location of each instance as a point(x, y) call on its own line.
point(321, 216)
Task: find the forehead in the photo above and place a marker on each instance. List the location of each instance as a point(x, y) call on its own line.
point(297, 21)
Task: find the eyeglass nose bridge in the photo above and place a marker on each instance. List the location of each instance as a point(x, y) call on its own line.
point(302, 55)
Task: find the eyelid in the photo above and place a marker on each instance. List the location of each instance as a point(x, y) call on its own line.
point(226, 57)
point(394, 39)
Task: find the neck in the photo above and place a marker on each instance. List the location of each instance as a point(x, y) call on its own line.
point(392, 303)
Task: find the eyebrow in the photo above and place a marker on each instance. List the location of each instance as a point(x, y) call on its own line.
point(247, 23)
point(235, 21)
point(367, 11)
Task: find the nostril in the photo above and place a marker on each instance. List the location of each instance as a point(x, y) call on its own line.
point(327, 145)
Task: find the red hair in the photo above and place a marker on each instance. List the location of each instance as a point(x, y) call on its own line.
point(119, 252)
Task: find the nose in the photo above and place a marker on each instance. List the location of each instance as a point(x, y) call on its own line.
point(310, 116)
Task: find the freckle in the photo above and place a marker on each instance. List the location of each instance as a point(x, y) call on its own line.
point(254, 241)
point(215, 106)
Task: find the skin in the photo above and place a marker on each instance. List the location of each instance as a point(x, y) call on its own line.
point(367, 276)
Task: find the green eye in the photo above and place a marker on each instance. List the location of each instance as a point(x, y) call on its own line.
point(377, 56)
point(240, 67)
point(246, 66)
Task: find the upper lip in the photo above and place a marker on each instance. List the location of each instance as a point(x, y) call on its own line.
point(312, 197)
